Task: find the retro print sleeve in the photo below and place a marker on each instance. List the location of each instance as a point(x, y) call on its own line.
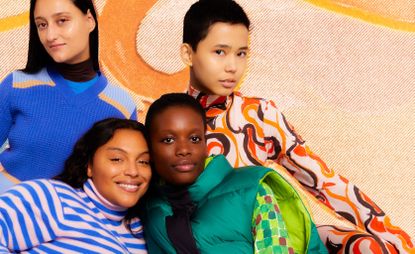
point(286, 147)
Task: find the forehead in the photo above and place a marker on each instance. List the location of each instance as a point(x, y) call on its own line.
point(178, 117)
point(45, 7)
point(127, 138)
point(220, 33)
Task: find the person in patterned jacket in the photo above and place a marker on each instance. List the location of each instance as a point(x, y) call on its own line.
point(250, 131)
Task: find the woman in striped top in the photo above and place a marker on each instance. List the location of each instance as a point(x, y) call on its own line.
point(90, 207)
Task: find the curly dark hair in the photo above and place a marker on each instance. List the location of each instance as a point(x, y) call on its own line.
point(75, 170)
point(76, 166)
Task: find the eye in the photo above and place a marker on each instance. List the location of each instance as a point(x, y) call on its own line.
point(242, 53)
point(167, 140)
point(61, 21)
point(41, 25)
point(195, 139)
point(116, 159)
point(143, 162)
point(220, 52)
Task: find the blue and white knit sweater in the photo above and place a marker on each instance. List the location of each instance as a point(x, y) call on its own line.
point(42, 118)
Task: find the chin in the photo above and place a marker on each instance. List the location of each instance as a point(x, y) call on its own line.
point(59, 59)
point(224, 92)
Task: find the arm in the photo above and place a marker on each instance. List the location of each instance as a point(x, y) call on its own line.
point(25, 220)
point(268, 226)
point(330, 188)
point(6, 180)
point(5, 112)
point(134, 114)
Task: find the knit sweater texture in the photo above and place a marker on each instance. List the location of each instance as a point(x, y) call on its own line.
point(42, 118)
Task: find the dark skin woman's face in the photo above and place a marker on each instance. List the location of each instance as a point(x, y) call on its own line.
point(178, 145)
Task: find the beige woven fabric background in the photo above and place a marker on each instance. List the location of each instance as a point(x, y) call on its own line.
point(344, 75)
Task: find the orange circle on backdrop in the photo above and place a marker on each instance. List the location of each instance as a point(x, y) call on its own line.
point(119, 23)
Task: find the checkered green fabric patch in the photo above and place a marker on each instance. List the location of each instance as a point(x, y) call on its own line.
point(268, 226)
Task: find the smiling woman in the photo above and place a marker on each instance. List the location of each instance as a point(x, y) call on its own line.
point(91, 206)
point(61, 81)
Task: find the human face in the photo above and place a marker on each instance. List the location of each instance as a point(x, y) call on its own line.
point(219, 60)
point(178, 145)
point(120, 168)
point(64, 30)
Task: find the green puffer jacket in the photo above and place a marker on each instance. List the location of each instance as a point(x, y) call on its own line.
point(225, 201)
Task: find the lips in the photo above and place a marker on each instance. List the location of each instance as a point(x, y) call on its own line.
point(228, 83)
point(55, 46)
point(128, 186)
point(184, 166)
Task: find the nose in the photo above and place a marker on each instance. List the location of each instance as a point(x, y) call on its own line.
point(231, 64)
point(182, 148)
point(132, 169)
point(51, 33)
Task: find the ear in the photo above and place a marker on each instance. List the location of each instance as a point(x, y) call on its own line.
point(89, 170)
point(186, 53)
point(91, 21)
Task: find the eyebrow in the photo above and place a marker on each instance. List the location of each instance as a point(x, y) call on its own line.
point(227, 46)
point(123, 151)
point(54, 15)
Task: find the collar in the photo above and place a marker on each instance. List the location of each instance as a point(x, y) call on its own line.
point(214, 173)
point(213, 104)
point(109, 210)
point(79, 72)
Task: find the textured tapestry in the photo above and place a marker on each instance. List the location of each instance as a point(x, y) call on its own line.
point(342, 71)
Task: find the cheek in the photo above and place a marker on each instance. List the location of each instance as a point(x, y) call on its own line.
point(42, 37)
point(146, 173)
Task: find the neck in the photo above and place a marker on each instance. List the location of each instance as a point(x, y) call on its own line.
point(79, 72)
point(109, 210)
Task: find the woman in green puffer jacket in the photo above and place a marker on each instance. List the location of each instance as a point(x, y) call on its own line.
point(200, 204)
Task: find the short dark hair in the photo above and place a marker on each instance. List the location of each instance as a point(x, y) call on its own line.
point(38, 57)
point(76, 166)
point(204, 13)
point(171, 100)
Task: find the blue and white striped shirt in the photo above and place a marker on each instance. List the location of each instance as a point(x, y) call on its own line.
point(48, 216)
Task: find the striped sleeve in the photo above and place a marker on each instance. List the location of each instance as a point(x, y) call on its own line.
point(28, 215)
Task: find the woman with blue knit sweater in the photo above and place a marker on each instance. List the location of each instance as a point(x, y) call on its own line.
point(91, 206)
point(61, 92)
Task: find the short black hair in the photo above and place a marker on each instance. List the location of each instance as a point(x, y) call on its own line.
point(75, 171)
point(204, 13)
point(38, 57)
point(170, 100)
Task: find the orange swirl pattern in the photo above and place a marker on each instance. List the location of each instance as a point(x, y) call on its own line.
point(242, 125)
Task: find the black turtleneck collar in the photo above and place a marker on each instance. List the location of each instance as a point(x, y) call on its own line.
point(79, 72)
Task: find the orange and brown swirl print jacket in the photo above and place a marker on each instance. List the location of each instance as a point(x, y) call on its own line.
point(249, 131)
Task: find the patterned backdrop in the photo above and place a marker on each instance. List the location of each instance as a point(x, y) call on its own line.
point(342, 71)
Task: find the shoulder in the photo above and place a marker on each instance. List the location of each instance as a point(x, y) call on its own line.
point(20, 79)
point(32, 192)
point(262, 103)
point(118, 97)
point(243, 178)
